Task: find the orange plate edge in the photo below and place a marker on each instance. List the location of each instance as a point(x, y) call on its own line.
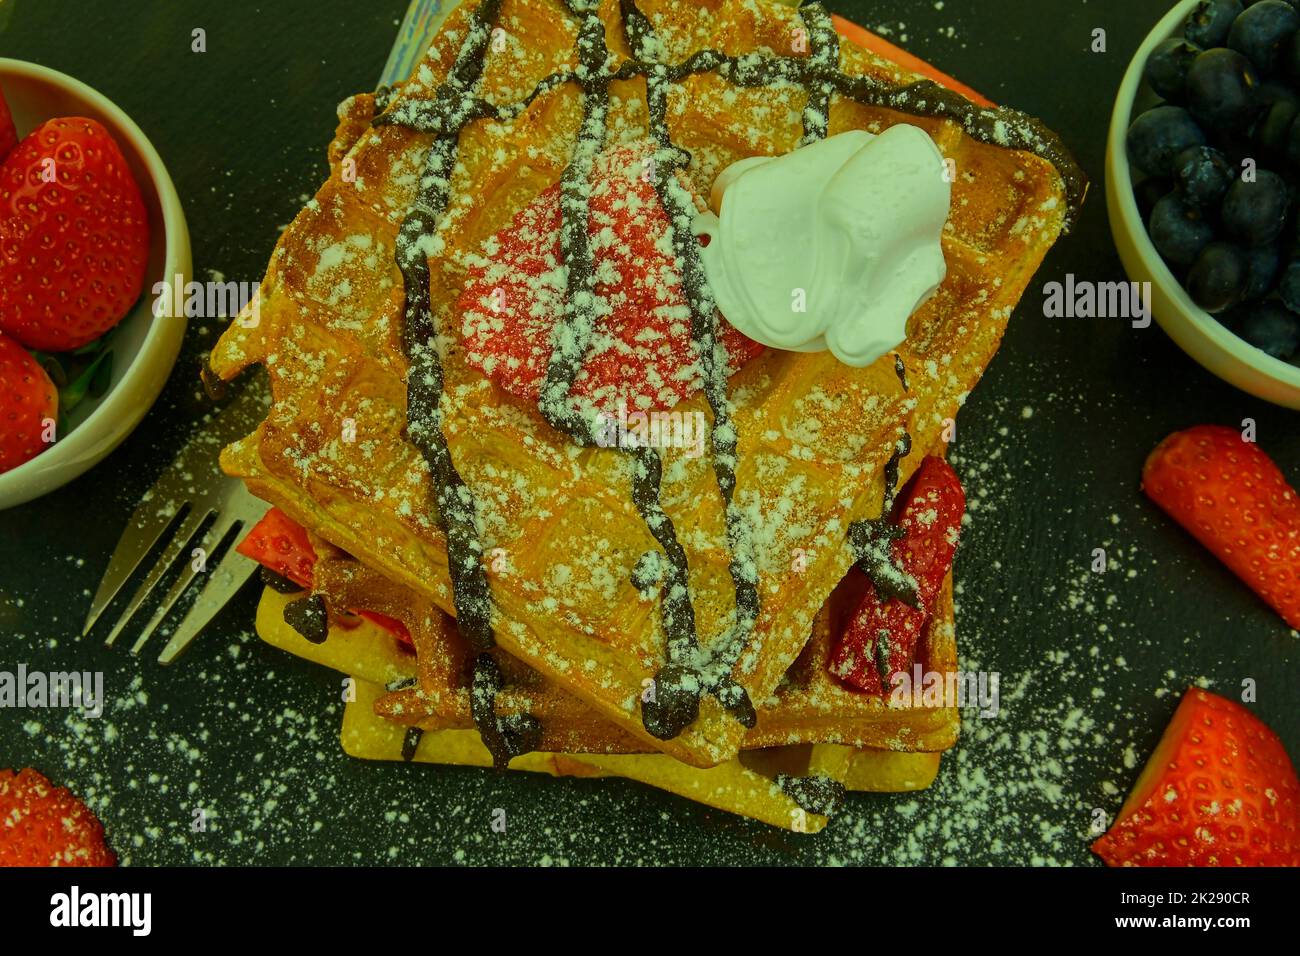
point(883, 48)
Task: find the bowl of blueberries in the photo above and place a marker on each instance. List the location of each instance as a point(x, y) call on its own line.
point(1203, 186)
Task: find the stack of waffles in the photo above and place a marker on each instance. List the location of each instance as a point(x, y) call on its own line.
point(573, 609)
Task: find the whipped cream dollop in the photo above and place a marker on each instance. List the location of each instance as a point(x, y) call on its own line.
point(833, 245)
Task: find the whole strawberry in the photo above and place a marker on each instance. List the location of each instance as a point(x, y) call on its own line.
point(1219, 790)
point(28, 404)
point(45, 825)
point(1236, 501)
point(8, 135)
point(74, 236)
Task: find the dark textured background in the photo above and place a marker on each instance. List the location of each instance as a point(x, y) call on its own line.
point(1050, 447)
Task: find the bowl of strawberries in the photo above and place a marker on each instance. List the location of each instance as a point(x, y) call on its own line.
point(90, 223)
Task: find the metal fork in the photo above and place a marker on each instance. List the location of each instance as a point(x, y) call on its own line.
point(194, 485)
point(190, 495)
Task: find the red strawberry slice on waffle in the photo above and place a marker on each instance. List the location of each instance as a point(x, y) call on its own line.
point(1235, 500)
point(882, 634)
point(281, 545)
point(641, 357)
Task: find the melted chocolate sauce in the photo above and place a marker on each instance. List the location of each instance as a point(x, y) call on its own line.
point(690, 671)
point(411, 743)
point(504, 737)
point(901, 451)
point(872, 539)
point(424, 381)
point(882, 658)
point(309, 618)
point(815, 794)
point(214, 386)
point(383, 98)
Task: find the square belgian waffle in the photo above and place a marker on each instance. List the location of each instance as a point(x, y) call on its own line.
point(429, 687)
point(795, 786)
point(386, 442)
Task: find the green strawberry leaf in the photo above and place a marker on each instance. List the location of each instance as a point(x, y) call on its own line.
point(99, 344)
point(72, 395)
point(52, 364)
point(102, 375)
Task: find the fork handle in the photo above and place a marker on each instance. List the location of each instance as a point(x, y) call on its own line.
point(421, 23)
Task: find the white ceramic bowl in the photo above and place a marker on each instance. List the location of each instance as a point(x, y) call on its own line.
point(1197, 332)
point(144, 347)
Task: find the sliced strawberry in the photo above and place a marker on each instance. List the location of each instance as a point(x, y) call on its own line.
point(1235, 500)
point(641, 356)
point(882, 634)
point(281, 544)
point(389, 624)
point(8, 134)
point(45, 825)
point(1219, 790)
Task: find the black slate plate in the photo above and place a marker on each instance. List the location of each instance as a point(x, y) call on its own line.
point(1050, 447)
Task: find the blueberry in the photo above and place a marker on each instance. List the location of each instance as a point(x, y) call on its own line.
point(1260, 32)
point(1217, 278)
point(1292, 145)
point(1167, 67)
point(1222, 90)
point(1203, 175)
point(1149, 192)
point(1178, 231)
point(1160, 134)
point(1254, 212)
point(1270, 91)
point(1275, 126)
point(1261, 270)
point(1289, 288)
point(1289, 59)
point(1209, 23)
point(1272, 329)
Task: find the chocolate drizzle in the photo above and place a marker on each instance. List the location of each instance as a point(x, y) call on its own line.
point(507, 736)
point(902, 449)
point(872, 539)
point(882, 658)
point(815, 793)
point(411, 743)
point(384, 97)
point(691, 671)
point(471, 596)
point(214, 386)
point(309, 618)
